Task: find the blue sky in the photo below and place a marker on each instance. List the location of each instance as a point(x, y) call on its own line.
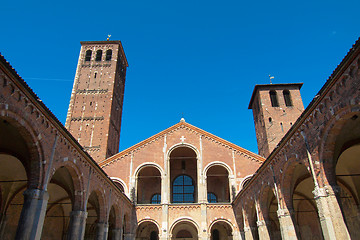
point(199, 58)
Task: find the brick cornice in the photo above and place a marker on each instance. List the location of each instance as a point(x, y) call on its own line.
point(175, 127)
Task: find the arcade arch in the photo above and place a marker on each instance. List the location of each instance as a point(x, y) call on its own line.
point(342, 168)
point(221, 230)
point(61, 201)
point(184, 229)
point(304, 205)
point(147, 230)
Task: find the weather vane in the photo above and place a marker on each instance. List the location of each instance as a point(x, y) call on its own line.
point(271, 77)
point(108, 38)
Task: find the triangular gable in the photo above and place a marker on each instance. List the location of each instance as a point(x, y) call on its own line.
point(181, 124)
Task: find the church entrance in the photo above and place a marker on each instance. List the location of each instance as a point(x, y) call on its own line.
point(184, 231)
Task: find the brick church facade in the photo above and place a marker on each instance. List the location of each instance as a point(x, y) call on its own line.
point(70, 182)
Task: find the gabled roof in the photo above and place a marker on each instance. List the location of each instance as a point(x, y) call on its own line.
point(182, 123)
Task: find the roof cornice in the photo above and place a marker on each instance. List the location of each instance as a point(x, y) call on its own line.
point(180, 124)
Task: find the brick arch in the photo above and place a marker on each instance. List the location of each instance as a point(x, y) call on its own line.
point(148, 164)
point(218, 163)
point(150, 220)
point(78, 183)
point(263, 199)
point(179, 145)
point(327, 144)
point(184, 220)
point(34, 168)
point(102, 203)
point(286, 182)
point(118, 215)
point(121, 182)
point(221, 220)
point(244, 181)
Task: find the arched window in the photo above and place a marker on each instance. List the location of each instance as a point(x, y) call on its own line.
point(108, 55)
point(215, 234)
point(212, 197)
point(183, 189)
point(287, 98)
point(98, 55)
point(273, 98)
point(88, 55)
point(156, 198)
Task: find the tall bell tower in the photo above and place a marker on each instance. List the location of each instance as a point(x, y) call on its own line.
point(275, 108)
point(94, 115)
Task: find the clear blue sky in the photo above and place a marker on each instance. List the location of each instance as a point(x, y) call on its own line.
point(200, 58)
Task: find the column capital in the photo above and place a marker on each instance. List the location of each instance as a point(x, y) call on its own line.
point(284, 212)
point(34, 193)
point(320, 192)
point(260, 223)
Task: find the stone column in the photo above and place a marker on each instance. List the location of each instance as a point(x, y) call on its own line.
point(3, 221)
point(287, 226)
point(331, 219)
point(164, 230)
point(116, 234)
point(102, 231)
point(248, 233)
point(129, 236)
point(263, 229)
point(32, 215)
point(77, 225)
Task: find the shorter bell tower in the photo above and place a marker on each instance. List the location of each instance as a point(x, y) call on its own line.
point(275, 108)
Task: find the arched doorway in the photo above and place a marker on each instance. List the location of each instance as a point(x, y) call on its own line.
point(147, 231)
point(149, 185)
point(221, 230)
point(183, 175)
point(184, 230)
point(304, 205)
point(217, 180)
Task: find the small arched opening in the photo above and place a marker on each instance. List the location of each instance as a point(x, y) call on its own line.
point(217, 178)
point(148, 185)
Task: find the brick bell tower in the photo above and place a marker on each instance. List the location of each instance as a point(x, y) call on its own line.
point(94, 115)
point(275, 108)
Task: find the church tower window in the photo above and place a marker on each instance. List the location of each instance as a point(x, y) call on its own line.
point(287, 98)
point(88, 55)
point(274, 99)
point(108, 55)
point(98, 55)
